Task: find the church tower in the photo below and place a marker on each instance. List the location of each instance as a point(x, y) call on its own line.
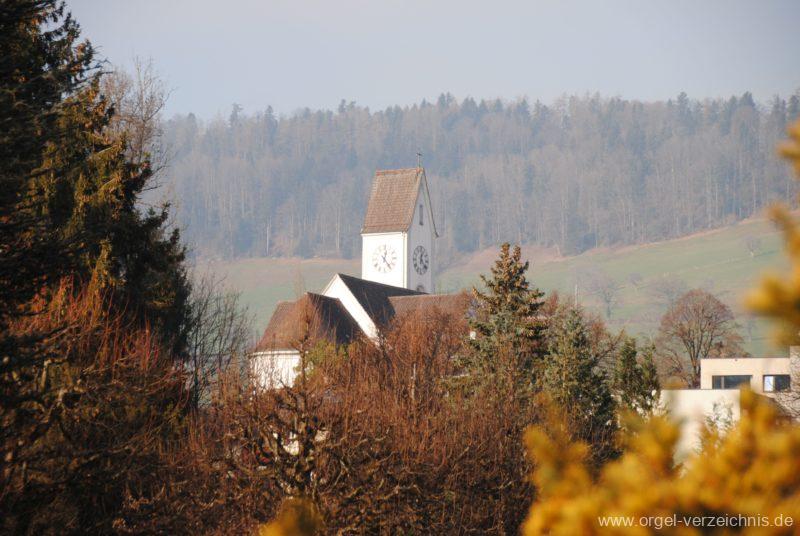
point(397, 239)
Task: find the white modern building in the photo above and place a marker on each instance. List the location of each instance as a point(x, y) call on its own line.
point(764, 375)
point(718, 398)
point(397, 274)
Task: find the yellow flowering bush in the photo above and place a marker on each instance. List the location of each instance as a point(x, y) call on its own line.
point(747, 482)
point(779, 298)
point(297, 518)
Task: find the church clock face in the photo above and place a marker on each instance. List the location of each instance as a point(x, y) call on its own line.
point(384, 258)
point(420, 260)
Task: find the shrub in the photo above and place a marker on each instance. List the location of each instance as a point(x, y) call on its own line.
point(753, 471)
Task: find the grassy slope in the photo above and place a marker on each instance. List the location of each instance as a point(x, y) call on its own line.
point(266, 281)
point(718, 261)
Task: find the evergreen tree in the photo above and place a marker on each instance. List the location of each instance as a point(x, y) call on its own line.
point(92, 202)
point(508, 333)
point(38, 70)
point(41, 65)
point(88, 393)
point(68, 193)
point(635, 382)
point(573, 382)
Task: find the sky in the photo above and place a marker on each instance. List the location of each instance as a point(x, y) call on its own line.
point(292, 54)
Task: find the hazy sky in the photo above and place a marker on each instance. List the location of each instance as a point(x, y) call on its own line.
point(296, 53)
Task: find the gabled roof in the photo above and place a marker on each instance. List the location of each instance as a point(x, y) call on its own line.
point(321, 317)
point(326, 318)
point(393, 200)
point(374, 297)
point(456, 305)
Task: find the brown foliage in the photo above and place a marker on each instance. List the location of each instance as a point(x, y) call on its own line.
point(375, 439)
point(411, 456)
point(214, 481)
point(95, 412)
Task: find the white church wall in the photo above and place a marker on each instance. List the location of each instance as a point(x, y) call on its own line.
point(395, 242)
point(421, 235)
point(275, 368)
point(337, 289)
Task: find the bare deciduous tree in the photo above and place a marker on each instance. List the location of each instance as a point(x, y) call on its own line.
point(668, 289)
point(605, 289)
point(94, 421)
point(219, 333)
point(697, 326)
point(379, 441)
point(138, 99)
point(635, 279)
point(753, 245)
point(413, 455)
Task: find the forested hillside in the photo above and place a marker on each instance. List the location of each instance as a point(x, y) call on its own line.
point(580, 173)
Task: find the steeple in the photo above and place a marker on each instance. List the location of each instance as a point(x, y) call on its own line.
point(399, 229)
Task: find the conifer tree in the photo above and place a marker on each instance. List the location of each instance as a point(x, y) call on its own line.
point(572, 381)
point(78, 411)
point(635, 382)
point(93, 203)
point(38, 71)
point(508, 333)
point(41, 65)
point(68, 192)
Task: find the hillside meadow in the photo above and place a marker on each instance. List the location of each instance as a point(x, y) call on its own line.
point(719, 261)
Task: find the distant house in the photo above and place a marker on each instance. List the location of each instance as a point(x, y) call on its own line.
point(397, 264)
point(718, 397)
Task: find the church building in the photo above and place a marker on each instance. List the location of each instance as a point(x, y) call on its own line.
point(399, 231)
point(397, 277)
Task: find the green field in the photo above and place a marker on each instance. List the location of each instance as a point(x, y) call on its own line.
point(718, 261)
point(263, 282)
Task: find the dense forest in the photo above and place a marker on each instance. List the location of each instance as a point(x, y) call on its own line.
point(583, 172)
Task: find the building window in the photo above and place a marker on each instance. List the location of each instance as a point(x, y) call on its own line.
point(729, 382)
point(421, 212)
point(776, 382)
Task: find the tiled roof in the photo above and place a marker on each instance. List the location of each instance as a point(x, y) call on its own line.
point(392, 200)
point(323, 318)
point(451, 304)
point(374, 297)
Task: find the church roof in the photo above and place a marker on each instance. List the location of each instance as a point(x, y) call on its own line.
point(375, 297)
point(393, 199)
point(456, 305)
point(321, 317)
point(326, 318)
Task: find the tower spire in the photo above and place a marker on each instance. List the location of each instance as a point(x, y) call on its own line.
point(419, 160)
